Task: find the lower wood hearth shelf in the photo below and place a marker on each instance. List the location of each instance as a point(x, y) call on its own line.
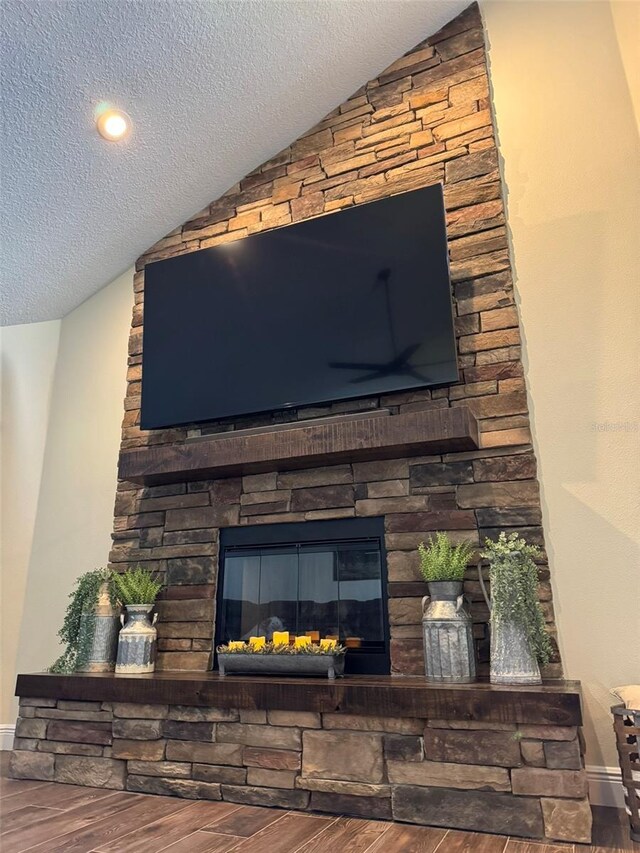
point(552, 703)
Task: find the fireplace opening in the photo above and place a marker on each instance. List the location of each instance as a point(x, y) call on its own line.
point(315, 578)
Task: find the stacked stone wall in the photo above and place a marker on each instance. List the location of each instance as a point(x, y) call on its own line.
point(523, 780)
point(426, 119)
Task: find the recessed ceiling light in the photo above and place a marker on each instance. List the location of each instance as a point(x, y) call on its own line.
point(113, 125)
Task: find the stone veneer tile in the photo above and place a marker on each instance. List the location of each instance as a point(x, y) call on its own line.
point(28, 743)
point(342, 755)
point(30, 701)
point(274, 759)
point(142, 750)
point(541, 782)
point(469, 725)
point(188, 788)
point(193, 714)
point(253, 796)
point(256, 735)
point(74, 716)
point(31, 728)
point(377, 808)
point(358, 722)
point(248, 715)
point(61, 748)
point(443, 775)
point(532, 752)
point(301, 719)
point(403, 748)
point(80, 732)
point(178, 730)
point(137, 729)
point(567, 820)
point(219, 773)
point(548, 732)
point(481, 811)
point(333, 786)
point(482, 747)
point(31, 765)
point(563, 755)
point(172, 769)
point(92, 772)
point(205, 753)
point(262, 777)
point(139, 711)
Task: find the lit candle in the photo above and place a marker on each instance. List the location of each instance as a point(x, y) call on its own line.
point(236, 644)
point(280, 638)
point(302, 642)
point(257, 643)
point(328, 644)
point(314, 636)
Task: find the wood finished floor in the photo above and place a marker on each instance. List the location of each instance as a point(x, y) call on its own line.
point(47, 817)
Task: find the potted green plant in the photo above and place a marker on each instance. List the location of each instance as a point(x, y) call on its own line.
point(90, 627)
point(137, 589)
point(519, 641)
point(449, 654)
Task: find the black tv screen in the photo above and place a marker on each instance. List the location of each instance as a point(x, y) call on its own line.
point(351, 304)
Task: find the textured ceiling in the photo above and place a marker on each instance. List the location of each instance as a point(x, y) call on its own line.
point(214, 88)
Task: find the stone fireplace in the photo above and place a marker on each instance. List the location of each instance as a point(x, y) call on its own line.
point(426, 119)
point(397, 467)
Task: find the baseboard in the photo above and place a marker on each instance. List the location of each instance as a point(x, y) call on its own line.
point(7, 731)
point(605, 786)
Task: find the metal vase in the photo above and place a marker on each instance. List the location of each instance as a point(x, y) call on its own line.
point(449, 654)
point(511, 658)
point(137, 641)
point(104, 624)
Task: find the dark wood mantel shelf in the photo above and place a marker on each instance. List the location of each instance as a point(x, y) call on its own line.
point(305, 446)
point(551, 703)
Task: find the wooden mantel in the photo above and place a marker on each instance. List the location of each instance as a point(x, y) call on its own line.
point(551, 703)
point(443, 430)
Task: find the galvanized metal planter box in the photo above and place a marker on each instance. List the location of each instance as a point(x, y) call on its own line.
point(266, 664)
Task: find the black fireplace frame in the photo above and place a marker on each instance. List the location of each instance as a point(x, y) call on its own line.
point(313, 532)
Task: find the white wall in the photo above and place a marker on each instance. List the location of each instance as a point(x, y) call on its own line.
point(28, 362)
point(79, 469)
point(571, 159)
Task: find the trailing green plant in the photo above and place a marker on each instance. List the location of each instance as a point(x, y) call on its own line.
point(514, 590)
point(79, 621)
point(443, 561)
point(136, 586)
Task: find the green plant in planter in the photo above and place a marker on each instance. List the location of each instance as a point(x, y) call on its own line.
point(514, 590)
point(440, 560)
point(79, 620)
point(136, 586)
point(280, 649)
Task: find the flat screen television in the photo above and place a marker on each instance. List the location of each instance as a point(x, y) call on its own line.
point(351, 304)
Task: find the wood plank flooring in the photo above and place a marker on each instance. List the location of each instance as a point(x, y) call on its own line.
point(47, 817)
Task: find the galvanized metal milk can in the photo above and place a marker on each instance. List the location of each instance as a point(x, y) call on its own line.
point(137, 640)
point(449, 654)
point(104, 622)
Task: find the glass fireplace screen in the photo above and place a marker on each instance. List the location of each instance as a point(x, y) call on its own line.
point(321, 589)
